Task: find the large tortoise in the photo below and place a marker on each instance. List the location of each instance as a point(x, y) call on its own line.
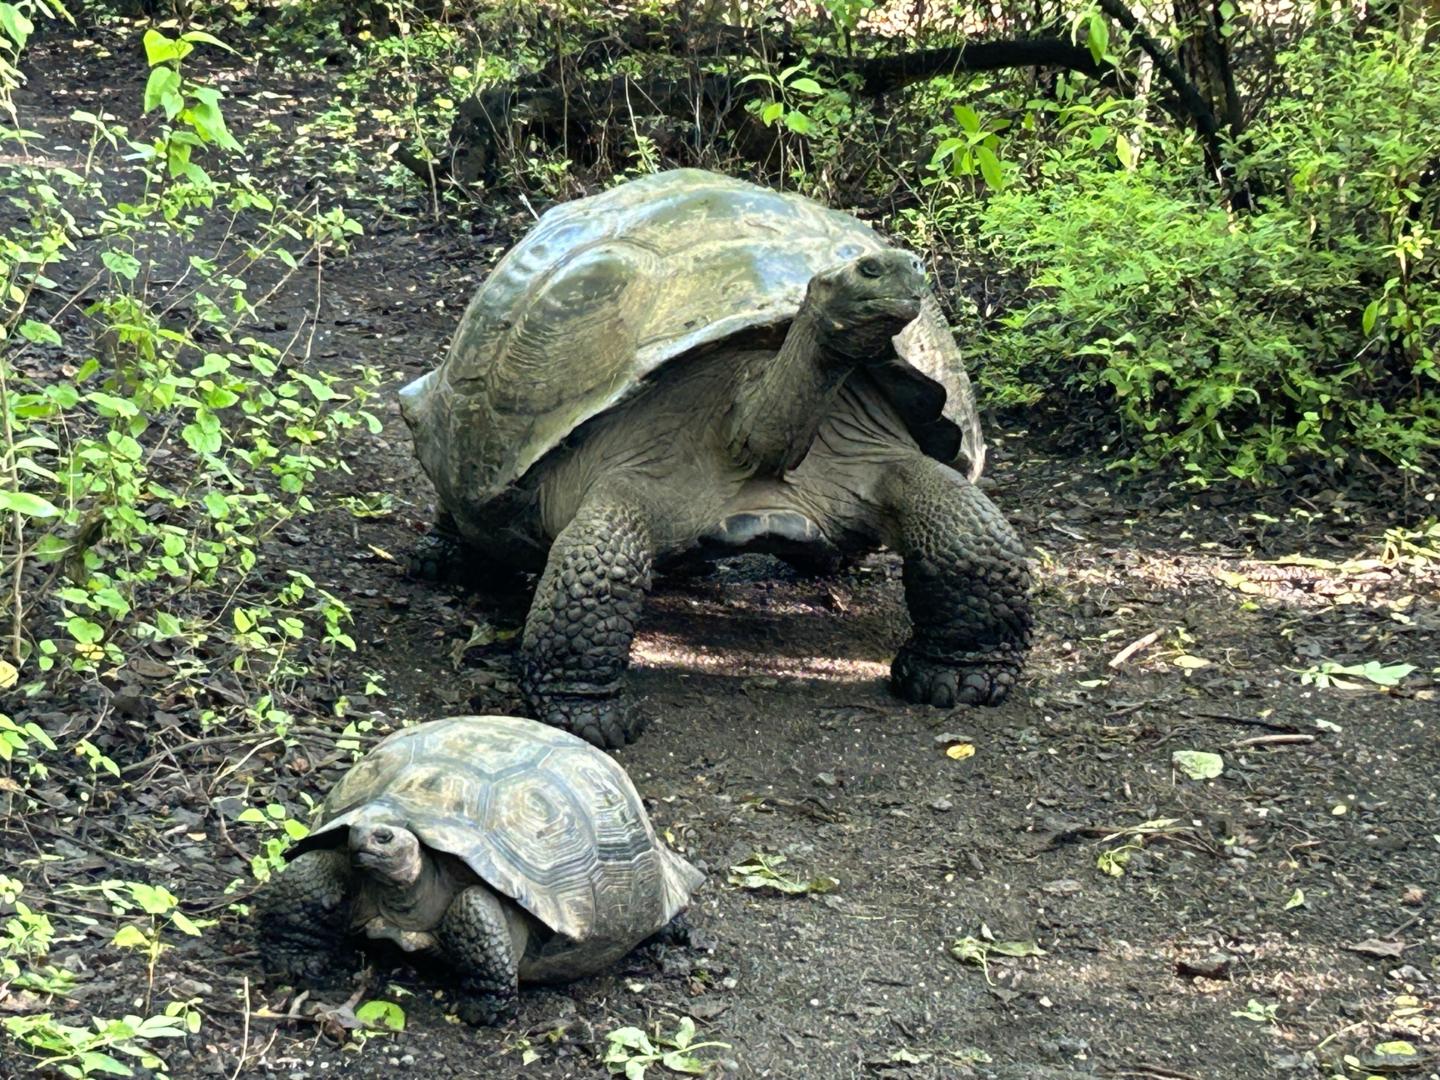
point(690, 359)
point(509, 849)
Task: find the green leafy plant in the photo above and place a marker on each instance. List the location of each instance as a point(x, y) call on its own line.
point(978, 950)
point(630, 1051)
point(1342, 676)
point(761, 871)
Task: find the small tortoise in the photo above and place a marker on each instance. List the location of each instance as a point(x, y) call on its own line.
point(686, 360)
point(509, 849)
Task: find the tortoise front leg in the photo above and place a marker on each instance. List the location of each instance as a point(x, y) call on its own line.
point(576, 647)
point(966, 584)
point(303, 920)
point(485, 946)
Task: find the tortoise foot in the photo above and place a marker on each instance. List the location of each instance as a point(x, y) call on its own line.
point(608, 722)
point(488, 1009)
point(441, 558)
point(312, 968)
point(924, 680)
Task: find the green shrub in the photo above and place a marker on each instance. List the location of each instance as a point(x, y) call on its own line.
point(1179, 332)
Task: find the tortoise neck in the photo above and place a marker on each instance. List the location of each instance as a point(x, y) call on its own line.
point(780, 400)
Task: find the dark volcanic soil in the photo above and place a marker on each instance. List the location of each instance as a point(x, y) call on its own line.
point(1283, 917)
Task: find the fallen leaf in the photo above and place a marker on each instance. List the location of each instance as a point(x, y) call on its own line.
point(9, 675)
point(1190, 663)
point(1390, 950)
point(1198, 764)
point(960, 751)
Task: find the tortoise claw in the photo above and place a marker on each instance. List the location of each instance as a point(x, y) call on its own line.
point(926, 681)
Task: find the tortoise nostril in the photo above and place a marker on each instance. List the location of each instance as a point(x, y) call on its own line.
point(918, 266)
point(872, 267)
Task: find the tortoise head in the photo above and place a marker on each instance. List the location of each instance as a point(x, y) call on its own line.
point(391, 854)
point(861, 304)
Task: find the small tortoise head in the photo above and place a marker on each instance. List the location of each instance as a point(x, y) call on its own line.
point(861, 304)
point(390, 853)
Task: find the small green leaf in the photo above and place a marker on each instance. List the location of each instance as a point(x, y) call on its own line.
point(1198, 764)
point(1372, 312)
point(1297, 899)
point(806, 85)
point(381, 1015)
point(40, 333)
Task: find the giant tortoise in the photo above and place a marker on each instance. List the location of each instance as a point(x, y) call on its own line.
point(509, 849)
point(687, 359)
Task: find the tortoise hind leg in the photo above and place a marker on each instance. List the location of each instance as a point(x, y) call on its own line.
point(966, 585)
point(485, 945)
point(303, 919)
point(576, 647)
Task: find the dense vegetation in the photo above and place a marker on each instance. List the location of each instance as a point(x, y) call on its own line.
point(1198, 240)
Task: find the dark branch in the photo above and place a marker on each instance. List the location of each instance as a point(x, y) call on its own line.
point(881, 74)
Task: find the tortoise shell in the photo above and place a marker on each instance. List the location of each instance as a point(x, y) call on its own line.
point(606, 290)
point(538, 814)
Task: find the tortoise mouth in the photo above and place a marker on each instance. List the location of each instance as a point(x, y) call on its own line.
point(899, 308)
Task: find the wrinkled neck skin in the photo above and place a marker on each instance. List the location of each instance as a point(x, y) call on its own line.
point(397, 896)
point(780, 400)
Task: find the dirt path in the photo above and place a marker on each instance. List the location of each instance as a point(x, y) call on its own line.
point(1284, 915)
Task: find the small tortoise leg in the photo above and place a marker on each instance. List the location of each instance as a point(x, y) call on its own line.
point(577, 639)
point(486, 947)
point(303, 918)
point(967, 587)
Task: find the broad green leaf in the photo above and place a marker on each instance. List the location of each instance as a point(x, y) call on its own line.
point(160, 49)
point(16, 26)
point(1198, 764)
point(121, 264)
point(990, 167)
point(27, 505)
point(631, 1038)
point(163, 81)
point(40, 333)
point(1124, 151)
point(92, 1061)
point(1372, 312)
point(798, 122)
point(202, 36)
point(1098, 39)
point(385, 1015)
point(9, 675)
point(130, 937)
point(967, 118)
point(807, 85)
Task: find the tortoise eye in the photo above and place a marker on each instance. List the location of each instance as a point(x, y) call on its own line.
point(382, 836)
point(871, 267)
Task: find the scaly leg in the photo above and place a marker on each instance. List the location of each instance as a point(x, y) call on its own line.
point(576, 647)
point(485, 946)
point(966, 584)
point(303, 916)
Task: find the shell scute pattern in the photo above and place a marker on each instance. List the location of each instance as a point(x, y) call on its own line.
point(536, 813)
point(600, 295)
